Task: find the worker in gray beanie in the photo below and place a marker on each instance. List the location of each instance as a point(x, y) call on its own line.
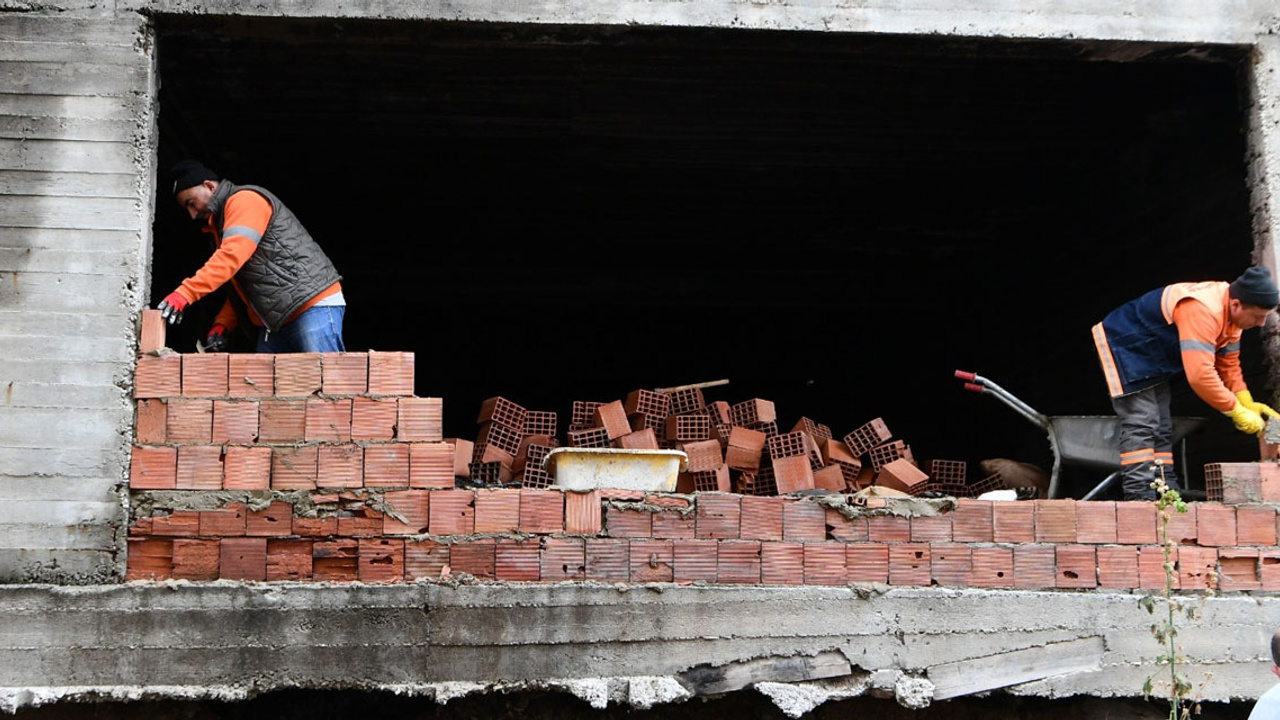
point(288, 286)
point(1183, 328)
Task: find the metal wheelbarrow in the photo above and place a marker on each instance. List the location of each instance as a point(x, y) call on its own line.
point(1090, 441)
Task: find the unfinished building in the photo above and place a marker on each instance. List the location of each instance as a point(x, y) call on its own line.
point(560, 205)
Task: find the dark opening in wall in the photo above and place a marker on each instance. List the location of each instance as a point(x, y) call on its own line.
point(834, 222)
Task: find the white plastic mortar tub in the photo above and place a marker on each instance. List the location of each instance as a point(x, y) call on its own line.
point(576, 468)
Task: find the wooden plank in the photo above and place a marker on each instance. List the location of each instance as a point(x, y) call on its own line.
point(70, 212)
point(118, 241)
point(735, 676)
point(49, 78)
point(965, 677)
point(67, 156)
point(56, 128)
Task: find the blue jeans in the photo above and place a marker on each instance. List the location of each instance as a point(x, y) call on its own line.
point(319, 329)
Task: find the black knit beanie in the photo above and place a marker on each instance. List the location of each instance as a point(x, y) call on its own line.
point(189, 173)
point(1255, 287)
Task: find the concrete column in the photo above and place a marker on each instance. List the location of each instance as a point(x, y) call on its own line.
point(1263, 164)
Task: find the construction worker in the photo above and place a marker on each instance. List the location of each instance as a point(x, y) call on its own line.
point(289, 287)
point(1191, 328)
point(1268, 706)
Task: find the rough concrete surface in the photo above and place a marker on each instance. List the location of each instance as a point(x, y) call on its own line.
point(638, 647)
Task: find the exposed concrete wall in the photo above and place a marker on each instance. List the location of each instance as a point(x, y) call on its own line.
point(643, 645)
point(1263, 112)
point(75, 175)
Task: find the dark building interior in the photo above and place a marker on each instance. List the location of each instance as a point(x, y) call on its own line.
point(834, 222)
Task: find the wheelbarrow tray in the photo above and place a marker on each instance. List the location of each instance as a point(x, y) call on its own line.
point(1093, 440)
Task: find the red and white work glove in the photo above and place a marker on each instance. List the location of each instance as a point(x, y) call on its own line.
point(216, 340)
point(171, 307)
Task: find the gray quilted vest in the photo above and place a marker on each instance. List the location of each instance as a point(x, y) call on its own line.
point(287, 269)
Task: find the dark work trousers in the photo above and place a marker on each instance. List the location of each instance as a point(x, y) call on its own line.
point(1146, 441)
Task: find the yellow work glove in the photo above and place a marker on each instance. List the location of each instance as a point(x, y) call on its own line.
point(1246, 399)
point(1246, 420)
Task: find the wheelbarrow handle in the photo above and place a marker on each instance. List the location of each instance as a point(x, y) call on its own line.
point(966, 376)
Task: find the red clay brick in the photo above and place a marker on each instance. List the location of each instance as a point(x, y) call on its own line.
point(950, 563)
point(651, 560)
point(381, 560)
point(704, 455)
point(992, 567)
point(867, 562)
point(888, 528)
point(1151, 573)
point(360, 522)
point(1013, 522)
point(782, 563)
point(149, 559)
point(1077, 566)
point(623, 522)
point(452, 512)
point(390, 373)
point(1034, 566)
point(195, 560)
point(1182, 526)
point(931, 528)
point(901, 474)
point(694, 561)
point(406, 512)
point(151, 332)
point(909, 564)
point(251, 375)
point(1096, 522)
point(563, 559)
point(242, 558)
point(753, 412)
point(282, 420)
point(235, 421)
point(420, 419)
point(315, 526)
point(673, 524)
point(612, 416)
point(1256, 525)
point(289, 559)
point(294, 468)
point(738, 562)
point(335, 560)
point(344, 373)
point(373, 418)
point(792, 474)
point(158, 376)
point(761, 518)
point(973, 522)
point(1197, 568)
point(845, 529)
point(803, 520)
point(431, 465)
point(386, 465)
point(1118, 566)
point(1215, 524)
point(645, 439)
point(199, 467)
point(1269, 559)
point(153, 468)
point(150, 420)
point(824, 564)
point(328, 419)
point(541, 511)
point(425, 560)
point(340, 466)
point(719, 516)
point(474, 558)
point(297, 374)
point(205, 375)
point(608, 560)
point(178, 523)
point(189, 421)
point(830, 478)
point(516, 560)
point(1239, 569)
point(227, 521)
point(1055, 521)
point(275, 520)
point(497, 511)
point(583, 513)
point(1135, 523)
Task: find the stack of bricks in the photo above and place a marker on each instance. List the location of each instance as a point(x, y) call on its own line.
point(511, 445)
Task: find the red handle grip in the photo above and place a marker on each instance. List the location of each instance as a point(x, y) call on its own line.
point(966, 376)
point(974, 387)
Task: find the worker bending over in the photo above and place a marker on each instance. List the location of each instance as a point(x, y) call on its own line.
point(289, 287)
point(1191, 328)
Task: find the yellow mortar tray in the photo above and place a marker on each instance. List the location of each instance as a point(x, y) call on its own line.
point(576, 468)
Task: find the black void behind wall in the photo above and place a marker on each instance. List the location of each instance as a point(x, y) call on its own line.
point(832, 222)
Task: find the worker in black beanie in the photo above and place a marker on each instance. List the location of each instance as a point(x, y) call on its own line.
point(1188, 328)
point(290, 289)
